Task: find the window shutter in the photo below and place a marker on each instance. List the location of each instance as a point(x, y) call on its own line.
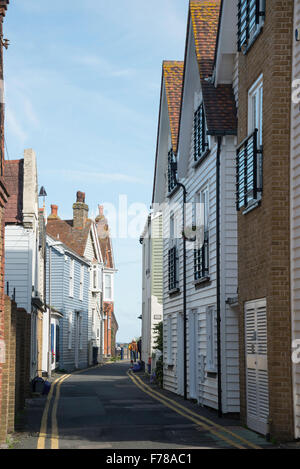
point(200, 134)
point(251, 14)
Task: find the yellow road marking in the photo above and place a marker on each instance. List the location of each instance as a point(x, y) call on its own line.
point(54, 434)
point(184, 414)
point(220, 427)
point(43, 429)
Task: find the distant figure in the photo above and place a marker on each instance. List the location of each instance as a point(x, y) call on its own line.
point(133, 350)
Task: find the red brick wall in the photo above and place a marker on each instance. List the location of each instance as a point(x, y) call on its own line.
point(109, 341)
point(264, 248)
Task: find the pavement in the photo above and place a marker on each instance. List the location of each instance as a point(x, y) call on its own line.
point(109, 407)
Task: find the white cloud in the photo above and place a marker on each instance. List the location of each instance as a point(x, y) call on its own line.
point(14, 126)
point(102, 65)
point(94, 176)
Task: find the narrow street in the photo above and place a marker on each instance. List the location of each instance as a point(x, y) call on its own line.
point(107, 408)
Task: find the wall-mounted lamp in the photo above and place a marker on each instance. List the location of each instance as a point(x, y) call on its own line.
point(43, 194)
point(297, 35)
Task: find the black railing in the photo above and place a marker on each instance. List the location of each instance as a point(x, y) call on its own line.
point(201, 259)
point(249, 14)
point(200, 134)
point(172, 171)
point(248, 171)
point(173, 282)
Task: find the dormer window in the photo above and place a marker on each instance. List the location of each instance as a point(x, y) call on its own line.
point(172, 171)
point(251, 17)
point(201, 145)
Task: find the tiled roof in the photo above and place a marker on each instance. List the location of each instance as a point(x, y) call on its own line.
point(220, 109)
point(173, 75)
point(73, 238)
point(219, 103)
point(14, 176)
point(205, 22)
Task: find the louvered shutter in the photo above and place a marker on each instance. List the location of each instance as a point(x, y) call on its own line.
point(257, 366)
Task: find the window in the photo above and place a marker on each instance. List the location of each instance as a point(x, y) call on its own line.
point(172, 171)
point(249, 153)
point(173, 257)
point(81, 283)
point(71, 279)
point(201, 145)
point(70, 330)
point(210, 338)
point(93, 317)
point(95, 278)
point(108, 287)
point(201, 253)
point(251, 15)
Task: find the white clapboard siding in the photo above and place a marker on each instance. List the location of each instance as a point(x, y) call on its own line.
point(18, 264)
point(201, 299)
point(204, 297)
point(295, 223)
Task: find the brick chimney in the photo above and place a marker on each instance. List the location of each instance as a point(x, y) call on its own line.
point(54, 216)
point(80, 211)
point(101, 223)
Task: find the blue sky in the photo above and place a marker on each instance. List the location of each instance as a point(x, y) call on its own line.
point(82, 83)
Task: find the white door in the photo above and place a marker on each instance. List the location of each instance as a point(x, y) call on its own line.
point(257, 383)
point(180, 355)
point(193, 354)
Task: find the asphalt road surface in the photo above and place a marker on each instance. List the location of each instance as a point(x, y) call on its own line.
point(102, 408)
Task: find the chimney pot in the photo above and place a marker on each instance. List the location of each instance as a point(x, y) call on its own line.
point(80, 197)
point(53, 216)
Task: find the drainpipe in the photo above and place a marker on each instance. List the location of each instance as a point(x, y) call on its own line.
point(220, 410)
point(49, 332)
point(184, 294)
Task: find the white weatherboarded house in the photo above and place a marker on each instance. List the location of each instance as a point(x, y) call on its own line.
point(152, 299)
point(80, 234)
point(203, 160)
point(23, 248)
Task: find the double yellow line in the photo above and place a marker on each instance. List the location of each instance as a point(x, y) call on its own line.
point(54, 430)
point(217, 430)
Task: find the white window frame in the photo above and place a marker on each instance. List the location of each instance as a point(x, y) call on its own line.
point(255, 108)
point(211, 359)
point(108, 297)
point(70, 330)
point(81, 282)
point(255, 121)
point(71, 278)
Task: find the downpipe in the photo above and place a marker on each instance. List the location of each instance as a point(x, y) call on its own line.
point(218, 180)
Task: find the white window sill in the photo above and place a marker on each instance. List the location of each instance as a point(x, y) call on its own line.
point(255, 204)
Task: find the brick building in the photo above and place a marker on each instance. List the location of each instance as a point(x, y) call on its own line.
point(110, 322)
point(3, 201)
point(265, 34)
